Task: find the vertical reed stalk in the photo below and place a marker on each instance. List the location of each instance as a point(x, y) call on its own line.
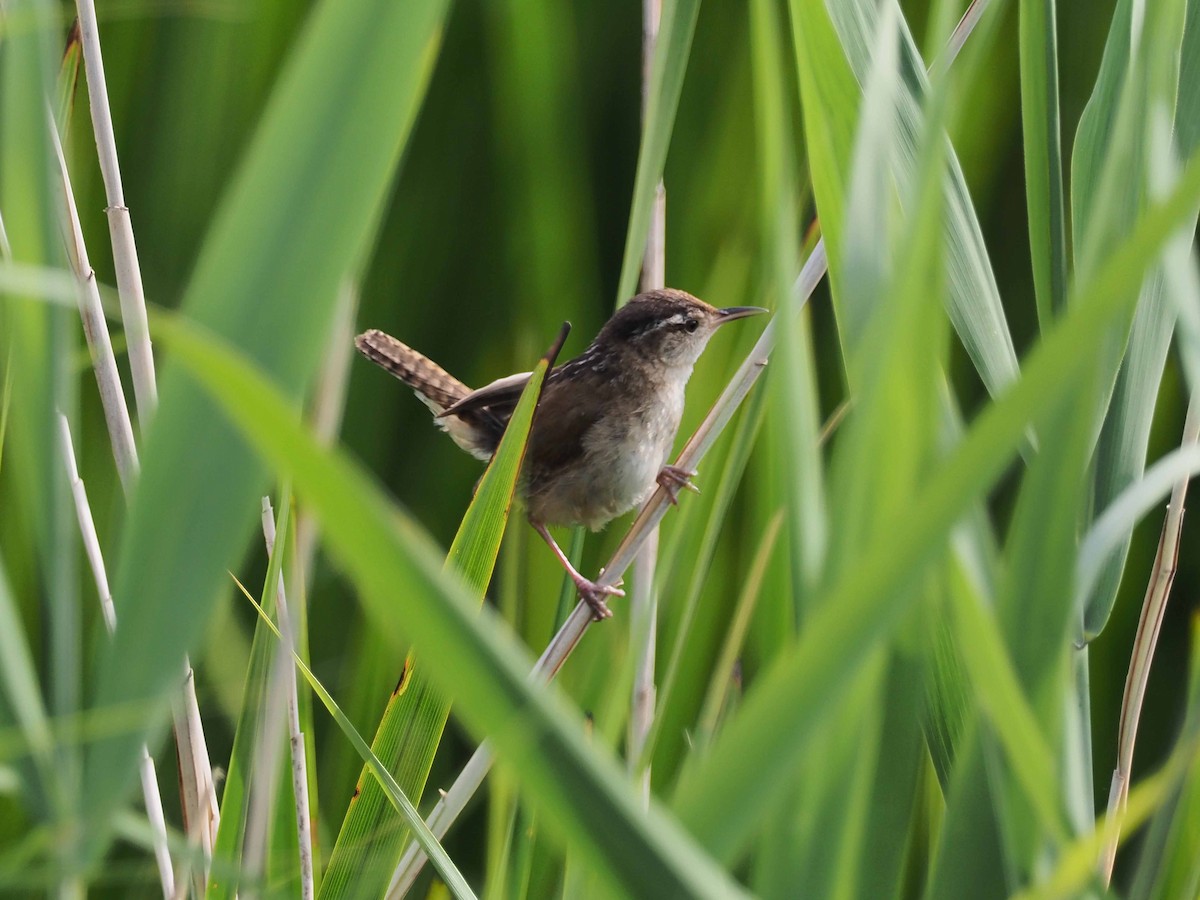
point(91, 544)
point(1154, 607)
point(643, 618)
point(125, 261)
point(295, 735)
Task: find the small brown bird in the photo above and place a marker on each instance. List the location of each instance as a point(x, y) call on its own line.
point(605, 422)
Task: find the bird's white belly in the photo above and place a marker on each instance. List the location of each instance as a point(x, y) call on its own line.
point(627, 457)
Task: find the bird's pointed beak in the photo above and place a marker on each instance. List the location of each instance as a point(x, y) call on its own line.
point(738, 312)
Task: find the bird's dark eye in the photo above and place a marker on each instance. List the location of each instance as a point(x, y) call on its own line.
point(690, 325)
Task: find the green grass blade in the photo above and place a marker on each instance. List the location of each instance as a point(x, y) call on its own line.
point(296, 217)
point(721, 797)
point(581, 791)
point(794, 397)
point(68, 81)
point(1121, 453)
point(370, 840)
point(995, 682)
point(894, 331)
point(393, 792)
point(1043, 155)
point(972, 299)
point(831, 98)
point(1038, 619)
point(238, 774)
point(21, 692)
point(1170, 854)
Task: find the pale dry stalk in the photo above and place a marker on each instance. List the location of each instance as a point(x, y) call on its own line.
point(95, 329)
point(295, 735)
point(125, 261)
point(643, 619)
point(91, 544)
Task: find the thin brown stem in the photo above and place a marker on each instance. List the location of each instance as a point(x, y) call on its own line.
point(1154, 607)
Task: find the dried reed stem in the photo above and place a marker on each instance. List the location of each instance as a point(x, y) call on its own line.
point(91, 544)
point(263, 787)
point(95, 329)
point(643, 618)
point(1154, 606)
point(295, 735)
point(125, 261)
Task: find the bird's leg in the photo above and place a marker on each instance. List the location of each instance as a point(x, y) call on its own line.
point(673, 479)
point(592, 593)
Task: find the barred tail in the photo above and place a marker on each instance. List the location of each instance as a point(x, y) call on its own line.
point(431, 382)
point(476, 432)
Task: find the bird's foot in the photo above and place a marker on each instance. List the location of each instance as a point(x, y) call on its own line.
point(593, 595)
point(673, 479)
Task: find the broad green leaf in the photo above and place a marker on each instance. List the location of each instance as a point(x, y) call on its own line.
point(1096, 133)
point(473, 656)
point(371, 839)
point(970, 842)
point(296, 217)
point(1034, 606)
point(1043, 155)
point(32, 334)
point(1121, 451)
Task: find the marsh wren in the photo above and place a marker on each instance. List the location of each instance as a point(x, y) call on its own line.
point(604, 425)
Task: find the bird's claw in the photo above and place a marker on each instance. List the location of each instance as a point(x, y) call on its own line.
point(593, 595)
point(673, 479)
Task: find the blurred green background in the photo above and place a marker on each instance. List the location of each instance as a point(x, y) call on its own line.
point(508, 217)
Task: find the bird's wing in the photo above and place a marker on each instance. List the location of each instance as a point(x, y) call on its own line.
point(499, 397)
